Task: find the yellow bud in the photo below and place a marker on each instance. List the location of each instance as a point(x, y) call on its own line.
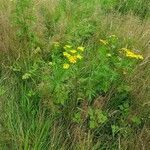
point(72, 59)
point(79, 56)
point(66, 66)
point(80, 48)
point(66, 54)
point(73, 51)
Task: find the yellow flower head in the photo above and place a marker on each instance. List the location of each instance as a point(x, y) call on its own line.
point(140, 57)
point(66, 54)
point(73, 51)
point(66, 66)
point(72, 59)
point(79, 56)
point(67, 47)
point(131, 54)
point(80, 48)
point(103, 42)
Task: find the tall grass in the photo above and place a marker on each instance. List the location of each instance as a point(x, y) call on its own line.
point(89, 106)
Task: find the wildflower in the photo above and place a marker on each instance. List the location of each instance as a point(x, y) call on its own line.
point(103, 42)
point(73, 51)
point(131, 54)
point(66, 66)
point(67, 47)
point(79, 56)
point(66, 54)
point(140, 57)
point(80, 48)
point(72, 59)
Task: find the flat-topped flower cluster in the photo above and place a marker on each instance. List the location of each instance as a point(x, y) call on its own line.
point(72, 55)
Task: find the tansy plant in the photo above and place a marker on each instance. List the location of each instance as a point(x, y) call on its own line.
point(108, 67)
point(130, 54)
point(71, 55)
point(64, 69)
point(116, 61)
point(106, 71)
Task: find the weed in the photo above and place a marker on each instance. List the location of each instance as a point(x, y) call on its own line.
point(71, 76)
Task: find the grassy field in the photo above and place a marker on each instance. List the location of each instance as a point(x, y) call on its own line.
point(74, 74)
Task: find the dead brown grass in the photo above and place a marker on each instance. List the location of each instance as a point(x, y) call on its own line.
point(127, 27)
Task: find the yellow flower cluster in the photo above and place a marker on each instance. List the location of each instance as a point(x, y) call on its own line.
point(67, 47)
point(131, 54)
point(66, 66)
point(80, 48)
point(72, 55)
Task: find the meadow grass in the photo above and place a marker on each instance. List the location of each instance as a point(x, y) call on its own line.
point(74, 74)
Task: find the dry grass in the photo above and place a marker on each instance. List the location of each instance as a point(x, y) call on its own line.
point(127, 27)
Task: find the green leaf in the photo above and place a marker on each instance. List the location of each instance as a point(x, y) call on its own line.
point(93, 124)
point(77, 117)
point(136, 120)
point(101, 117)
point(115, 129)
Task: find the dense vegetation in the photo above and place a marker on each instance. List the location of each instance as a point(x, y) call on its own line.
point(74, 74)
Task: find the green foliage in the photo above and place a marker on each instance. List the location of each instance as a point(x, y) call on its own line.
point(77, 117)
point(24, 20)
point(97, 117)
point(71, 90)
point(138, 7)
point(108, 4)
point(136, 120)
point(115, 129)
